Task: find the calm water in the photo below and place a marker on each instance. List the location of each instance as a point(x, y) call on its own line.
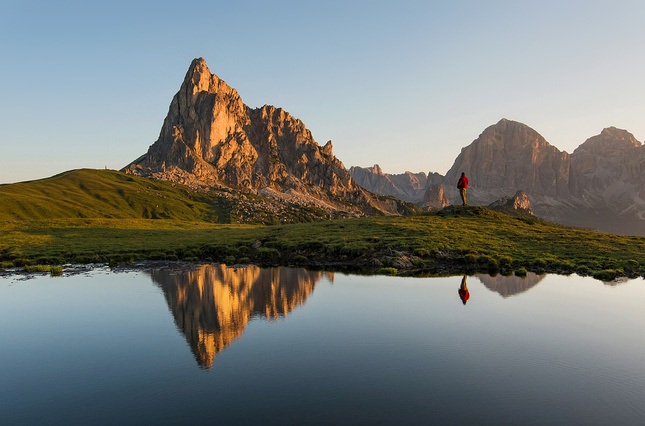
point(281, 346)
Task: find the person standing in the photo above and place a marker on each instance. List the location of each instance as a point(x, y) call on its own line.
point(462, 185)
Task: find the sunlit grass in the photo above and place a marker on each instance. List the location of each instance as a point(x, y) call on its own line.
point(463, 238)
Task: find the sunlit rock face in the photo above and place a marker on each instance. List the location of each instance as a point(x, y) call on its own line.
point(518, 203)
point(434, 197)
point(210, 137)
point(212, 304)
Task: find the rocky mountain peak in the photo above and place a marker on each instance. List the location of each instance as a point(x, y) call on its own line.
point(609, 140)
point(376, 169)
point(506, 156)
point(211, 138)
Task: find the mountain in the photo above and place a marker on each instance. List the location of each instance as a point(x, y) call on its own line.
point(510, 286)
point(597, 186)
point(213, 304)
point(406, 186)
point(507, 157)
point(211, 139)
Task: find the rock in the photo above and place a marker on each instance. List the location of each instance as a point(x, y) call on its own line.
point(376, 263)
point(210, 138)
point(518, 204)
point(434, 197)
point(407, 186)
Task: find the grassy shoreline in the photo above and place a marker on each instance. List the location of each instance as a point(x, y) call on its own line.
point(453, 240)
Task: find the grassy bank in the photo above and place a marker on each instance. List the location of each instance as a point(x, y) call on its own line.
point(464, 239)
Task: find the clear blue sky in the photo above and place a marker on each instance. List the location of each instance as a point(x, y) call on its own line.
point(405, 84)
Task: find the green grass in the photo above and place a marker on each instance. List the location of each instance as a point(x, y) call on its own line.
point(454, 239)
point(90, 193)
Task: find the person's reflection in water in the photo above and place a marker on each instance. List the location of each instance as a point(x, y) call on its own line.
point(464, 295)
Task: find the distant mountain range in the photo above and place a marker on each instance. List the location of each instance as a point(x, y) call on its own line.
point(211, 139)
point(598, 186)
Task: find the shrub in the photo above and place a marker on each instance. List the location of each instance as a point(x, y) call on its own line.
point(632, 265)
point(521, 272)
point(56, 271)
point(267, 254)
point(300, 260)
point(583, 270)
point(245, 260)
point(6, 265)
point(21, 262)
point(37, 268)
point(422, 252)
point(505, 261)
point(470, 259)
point(229, 260)
point(387, 271)
point(605, 275)
point(539, 263)
point(355, 249)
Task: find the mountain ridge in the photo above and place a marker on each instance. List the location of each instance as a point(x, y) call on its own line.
point(210, 138)
point(597, 186)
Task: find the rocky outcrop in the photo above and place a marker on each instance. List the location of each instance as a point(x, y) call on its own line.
point(434, 197)
point(517, 205)
point(406, 186)
point(210, 138)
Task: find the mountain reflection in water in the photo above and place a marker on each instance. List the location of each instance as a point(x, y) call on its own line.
point(212, 304)
point(510, 286)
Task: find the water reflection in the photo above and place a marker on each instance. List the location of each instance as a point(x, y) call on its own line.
point(212, 304)
point(464, 294)
point(510, 286)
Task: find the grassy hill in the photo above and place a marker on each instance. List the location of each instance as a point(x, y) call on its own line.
point(89, 193)
point(67, 219)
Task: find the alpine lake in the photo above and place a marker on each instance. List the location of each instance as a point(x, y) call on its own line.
point(211, 344)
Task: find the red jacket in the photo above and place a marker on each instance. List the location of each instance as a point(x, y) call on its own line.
point(463, 182)
point(464, 295)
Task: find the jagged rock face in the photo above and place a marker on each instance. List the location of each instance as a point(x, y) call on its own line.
point(406, 186)
point(210, 135)
point(518, 202)
point(213, 304)
point(506, 157)
point(434, 197)
point(204, 132)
